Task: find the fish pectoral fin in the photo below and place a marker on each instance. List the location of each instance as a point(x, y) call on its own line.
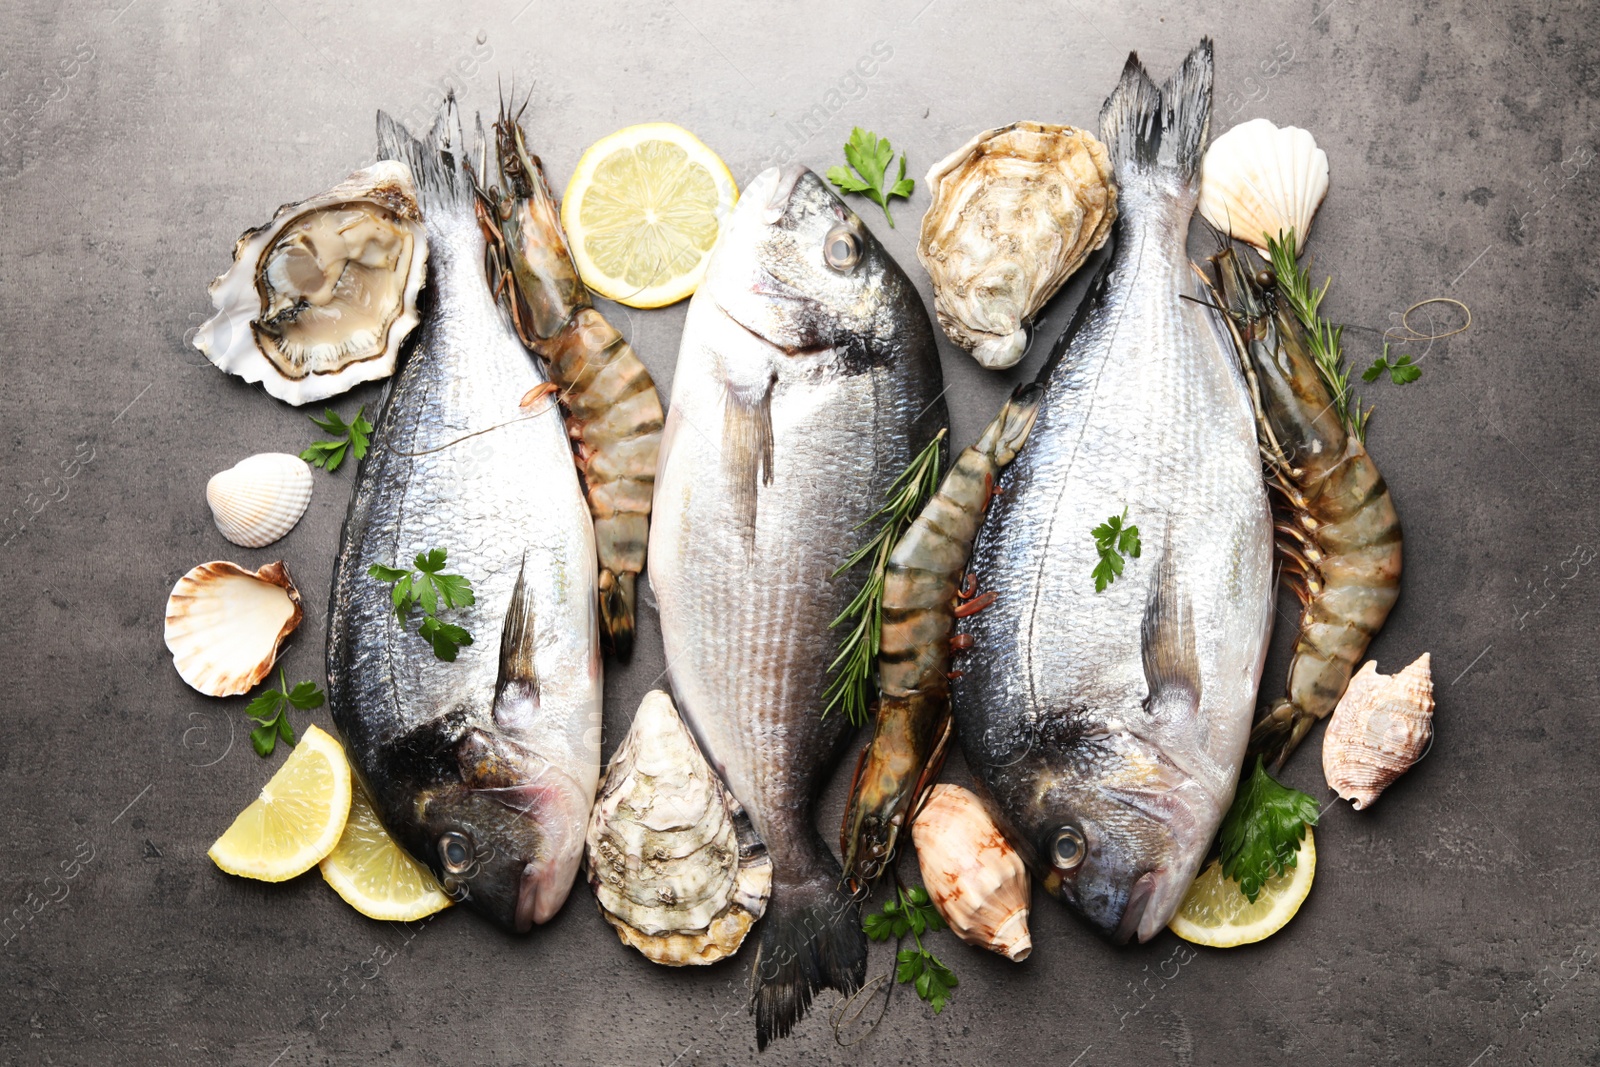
point(1167, 643)
point(747, 444)
point(516, 688)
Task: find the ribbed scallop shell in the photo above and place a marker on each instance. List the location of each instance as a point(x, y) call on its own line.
point(673, 862)
point(1015, 211)
point(974, 876)
point(258, 500)
point(1258, 179)
point(1383, 725)
point(225, 624)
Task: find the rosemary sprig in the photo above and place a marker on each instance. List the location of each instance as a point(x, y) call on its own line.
point(858, 652)
point(1325, 339)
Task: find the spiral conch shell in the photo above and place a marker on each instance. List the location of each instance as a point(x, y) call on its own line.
point(225, 624)
point(1015, 211)
point(674, 863)
point(1258, 180)
point(258, 500)
point(319, 299)
point(1382, 725)
point(974, 876)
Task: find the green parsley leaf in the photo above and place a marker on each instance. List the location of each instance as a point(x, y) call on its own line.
point(1114, 540)
point(1401, 370)
point(1262, 831)
point(270, 711)
point(427, 587)
point(911, 911)
point(445, 638)
point(869, 157)
point(329, 454)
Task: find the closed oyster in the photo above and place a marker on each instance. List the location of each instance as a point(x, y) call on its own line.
point(1383, 724)
point(1015, 211)
point(674, 863)
point(974, 876)
point(319, 299)
point(225, 624)
point(1259, 180)
point(259, 499)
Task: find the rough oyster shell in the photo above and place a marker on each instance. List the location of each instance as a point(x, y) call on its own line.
point(320, 298)
point(1383, 725)
point(1015, 211)
point(225, 624)
point(1258, 179)
point(259, 499)
point(674, 864)
point(974, 876)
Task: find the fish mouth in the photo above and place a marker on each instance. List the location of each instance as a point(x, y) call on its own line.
point(1138, 910)
point(784, 180)
point(540, 895)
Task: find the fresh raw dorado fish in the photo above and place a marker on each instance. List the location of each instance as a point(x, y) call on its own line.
point(807, 380)
point(485, 768)
point(1108, 728)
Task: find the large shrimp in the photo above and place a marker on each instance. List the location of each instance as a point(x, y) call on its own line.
point(923, 595)
point(613, 411)
point(1338, 533)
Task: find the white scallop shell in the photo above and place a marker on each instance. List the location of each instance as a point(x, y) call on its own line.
point(258, 500)
point(1258, 179)
point(971, 872)
point(225, 624)
point(1383, 725)
point(232, 337)
point(674, 864)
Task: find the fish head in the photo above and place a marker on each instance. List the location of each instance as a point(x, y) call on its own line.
point(500, 826)
point(1111, 826)
point(796, 267)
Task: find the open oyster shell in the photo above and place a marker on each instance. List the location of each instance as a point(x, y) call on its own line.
point(319, 299)
point(1015, 211)
point(674, 863)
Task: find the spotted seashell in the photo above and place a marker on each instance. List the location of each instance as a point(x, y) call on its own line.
point(1383, 724)
point(971, 872)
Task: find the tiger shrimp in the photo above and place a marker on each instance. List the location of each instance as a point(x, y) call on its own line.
point(923, 595)
point(614, 414)
point(1337, 530)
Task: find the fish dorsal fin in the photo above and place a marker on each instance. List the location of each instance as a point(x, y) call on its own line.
point(516, 689)
point(1167, 643)
point(747, 446)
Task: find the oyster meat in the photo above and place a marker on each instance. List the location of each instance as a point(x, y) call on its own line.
point(1015, 211)
point(319, 299)
point(673, 861)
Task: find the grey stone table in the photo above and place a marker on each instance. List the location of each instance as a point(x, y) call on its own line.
point(1453, 925)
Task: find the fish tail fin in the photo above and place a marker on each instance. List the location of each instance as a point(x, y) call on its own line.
point(811, 939)
point(437, 162)
point(1149, 128)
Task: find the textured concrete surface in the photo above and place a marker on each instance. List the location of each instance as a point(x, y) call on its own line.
point(1453, 925)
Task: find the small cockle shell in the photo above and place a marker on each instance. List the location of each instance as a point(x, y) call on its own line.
point(226, 624)
point(1015, 211)
point(319, 299)
point(1383, 725)
point(1258, 180)
point(258, 500)
point(674, 863)
point(976, 879)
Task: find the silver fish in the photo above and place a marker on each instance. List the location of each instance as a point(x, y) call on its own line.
point(807, 379)
point(1108, 728)
point(484, 769)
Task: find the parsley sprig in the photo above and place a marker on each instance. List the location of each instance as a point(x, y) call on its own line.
point(1324, 338)
point(1114, 539)
point(429, 587)
point(351, 436)
point(858, 652)
point(912, 912)
point(270, 711)
point(1401, 370)
point(869, 157)
point(1262, 832)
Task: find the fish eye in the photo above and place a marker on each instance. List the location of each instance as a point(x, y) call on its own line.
point(455, 852)
point(1067, 848)
point(842, 249)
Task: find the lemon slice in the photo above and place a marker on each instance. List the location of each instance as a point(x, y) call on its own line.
point(1216, 912)
point(642, 211)
point(375, 876)
point(297, 819)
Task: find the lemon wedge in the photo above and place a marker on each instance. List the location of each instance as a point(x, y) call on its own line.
point(642, 211)
point(297, 819)
point(1216, 913)
point(375, 876)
